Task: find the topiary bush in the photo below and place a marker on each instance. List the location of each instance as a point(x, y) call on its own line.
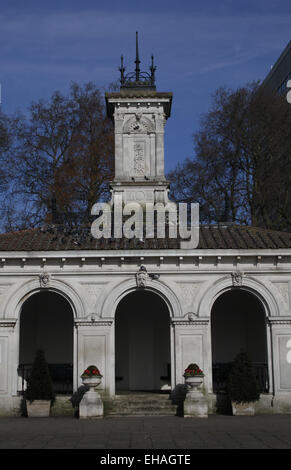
point(39, 384)
point(242, 383)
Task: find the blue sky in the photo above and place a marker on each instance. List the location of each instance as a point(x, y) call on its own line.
point(198, 47)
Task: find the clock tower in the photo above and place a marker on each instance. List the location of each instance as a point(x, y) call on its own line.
point(139, 113)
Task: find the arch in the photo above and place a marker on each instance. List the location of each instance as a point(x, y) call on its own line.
point(21, 293)
point(110, 302)
point(238, 322)
point(142, 342)
point(249, 284)
point(144, 123)
point(46, 322)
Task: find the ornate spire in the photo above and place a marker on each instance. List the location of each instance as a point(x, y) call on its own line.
point(137, 79)
point(137, 61)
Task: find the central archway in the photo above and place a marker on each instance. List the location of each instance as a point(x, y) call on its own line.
point(142, 343)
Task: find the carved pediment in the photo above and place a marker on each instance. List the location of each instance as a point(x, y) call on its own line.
point(138, 125)
point(141, 277)
point(237, 278)
point(44, 279)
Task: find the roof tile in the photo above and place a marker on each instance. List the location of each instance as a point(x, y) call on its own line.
point(56, 238)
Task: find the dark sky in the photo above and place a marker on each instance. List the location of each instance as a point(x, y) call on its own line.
point(198, 47)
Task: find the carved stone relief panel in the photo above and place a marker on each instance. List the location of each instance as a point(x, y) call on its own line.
point(92, 294)
point(139, 164)
point(283, 288)
point(138, 124)
point(4, 293)
point(188, 292)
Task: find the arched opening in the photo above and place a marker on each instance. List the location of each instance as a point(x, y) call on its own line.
point(46, 322)
point(238, 322)
point(142, 343)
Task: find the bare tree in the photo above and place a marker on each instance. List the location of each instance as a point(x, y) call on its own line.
point(62, 157)
point(241, 167)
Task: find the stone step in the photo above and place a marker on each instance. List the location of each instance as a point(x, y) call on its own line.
point(62, 406)
point(139, 413)
point(141, 405)
point(145, 397)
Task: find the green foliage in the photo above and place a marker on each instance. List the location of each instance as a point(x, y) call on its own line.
point(91, 371)
point(242, 383)
point(40, 384)
point(193, 370)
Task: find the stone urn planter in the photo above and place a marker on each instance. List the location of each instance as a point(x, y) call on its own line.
point(195, 404)
point(194, 383)
point(92, 382)
point(91, 405)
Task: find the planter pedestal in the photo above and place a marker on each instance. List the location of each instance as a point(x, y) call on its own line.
point(91, 405)
point(195, 404)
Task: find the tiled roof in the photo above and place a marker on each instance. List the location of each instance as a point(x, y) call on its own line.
point(224, 237)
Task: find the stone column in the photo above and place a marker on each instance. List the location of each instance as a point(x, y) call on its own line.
point(160, 173)
point(192, 345)
point(96, 347)
point(280, 332)
point(118, 148)
point(9, 403)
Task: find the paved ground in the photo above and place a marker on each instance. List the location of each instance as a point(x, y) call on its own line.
point(214, 432)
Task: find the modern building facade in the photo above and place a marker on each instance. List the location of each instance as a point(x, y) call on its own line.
point(280, 73)
point(142, 309)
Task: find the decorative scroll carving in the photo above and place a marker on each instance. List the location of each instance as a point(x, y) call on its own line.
point(44, 279)
point(93, 317)
point(193, 323)
point(192, 316)
point(279, 321)
point(283, 289)
point(188, 293)
point(7, 323)
point(94, 323)
point(237, 278)
point(93, 292)
point(138, 125)
point(141, 277)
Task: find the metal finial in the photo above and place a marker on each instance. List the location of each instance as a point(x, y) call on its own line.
point(122, 70)
point(137, 79)
point(137, 61)
point(152, 69)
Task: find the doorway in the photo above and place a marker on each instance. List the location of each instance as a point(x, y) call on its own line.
point(142, 343)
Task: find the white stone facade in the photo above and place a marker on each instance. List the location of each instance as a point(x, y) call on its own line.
point(139, 126)
point(189, 283)
point(147, 351)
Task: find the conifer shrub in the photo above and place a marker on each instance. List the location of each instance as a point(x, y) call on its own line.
point(39, 386)
point(242, 384)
